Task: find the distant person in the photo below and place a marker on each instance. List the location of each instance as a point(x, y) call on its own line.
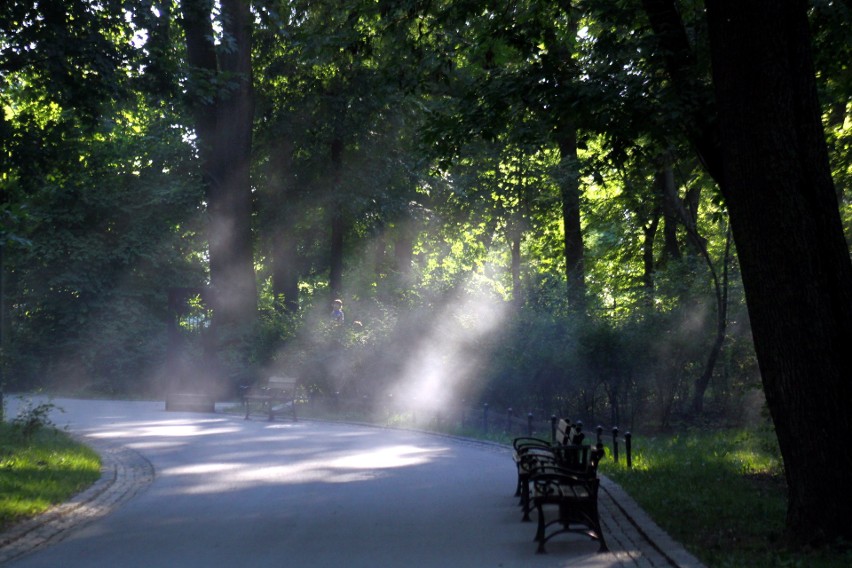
point(337, 311)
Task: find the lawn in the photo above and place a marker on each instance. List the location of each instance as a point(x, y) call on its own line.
point(39, 469)
point(721, 494)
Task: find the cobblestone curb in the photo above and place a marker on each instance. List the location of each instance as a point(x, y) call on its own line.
point(635, 539)
point(124, 473)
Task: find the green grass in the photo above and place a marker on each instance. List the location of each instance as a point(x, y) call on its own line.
point(721, 494)
point(41, 470)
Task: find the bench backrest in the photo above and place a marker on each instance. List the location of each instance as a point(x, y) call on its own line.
point(283, 384)
point(575, 454)
point(562, 435)
point(568, 434)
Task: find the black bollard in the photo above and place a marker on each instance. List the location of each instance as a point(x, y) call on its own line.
point(509, 421)
point(530, 424)
point(553, 421)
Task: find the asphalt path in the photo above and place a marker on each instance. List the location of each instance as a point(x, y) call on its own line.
point(215, 490)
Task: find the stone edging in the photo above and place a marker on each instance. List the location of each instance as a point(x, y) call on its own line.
point(124, 473)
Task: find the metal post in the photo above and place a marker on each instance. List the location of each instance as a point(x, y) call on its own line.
point(553, 421)
point(529, 423)
point(628, 442)
point(509, 421)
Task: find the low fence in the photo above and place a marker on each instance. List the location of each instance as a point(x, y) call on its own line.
point(512, 424)
point(460, 418)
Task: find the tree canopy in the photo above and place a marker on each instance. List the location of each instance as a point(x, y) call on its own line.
point(626, 211)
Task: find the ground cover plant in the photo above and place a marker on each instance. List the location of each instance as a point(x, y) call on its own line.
point(721, 494)
point(40, 466)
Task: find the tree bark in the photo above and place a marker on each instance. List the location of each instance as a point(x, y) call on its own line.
point(335, 277)
point(281, 218)
point(517, 292)
point(285, 268)
point(721, 292)
point(223, 124)
point(570, 194)
point(794, 258)
point(649, 266)
point(670, 202)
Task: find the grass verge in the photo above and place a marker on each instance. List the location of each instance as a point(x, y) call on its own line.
point(41, 469)
point(721, 494)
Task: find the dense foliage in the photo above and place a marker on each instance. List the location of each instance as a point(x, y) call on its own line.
point(422, 161)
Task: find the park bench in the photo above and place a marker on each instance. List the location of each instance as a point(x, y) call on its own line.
point(275, 395)
point(567, 501)
point(566, 450)
point(528, 451)
point(561, 476)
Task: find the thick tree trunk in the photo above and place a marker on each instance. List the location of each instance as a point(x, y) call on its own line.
point(4, 319)
point(285, 268)
point(670, 201)
point(335, 277)
point(794, 258)
point(224, 126)
point(570, 189)
point(649, 266)
point(231, 246)
point(280, 220)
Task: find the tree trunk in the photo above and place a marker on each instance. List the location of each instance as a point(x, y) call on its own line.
point(794, 258)
point(670, 201)
point(4, 320)
point(285, 268)
point(517, 292)
point(721, 289)
point(335, 277)
point(224, 126)
point(570, 189)
point(281, 218)
point(650, 233)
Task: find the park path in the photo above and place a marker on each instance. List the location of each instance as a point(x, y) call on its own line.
point(208, 490)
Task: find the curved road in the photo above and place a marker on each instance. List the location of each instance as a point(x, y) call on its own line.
point(190, 490)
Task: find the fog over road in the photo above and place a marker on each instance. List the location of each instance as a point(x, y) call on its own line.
point(231, 492)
